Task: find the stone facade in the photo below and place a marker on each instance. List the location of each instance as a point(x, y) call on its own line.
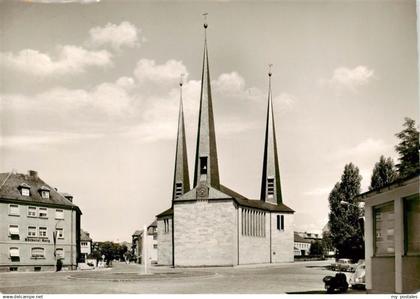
point(282, 240)
point(204, 233)
point(253, 249)
point(164, 241)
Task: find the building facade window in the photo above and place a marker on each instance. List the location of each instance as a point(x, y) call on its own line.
point(166, 225)
point(384, 229)
point(25, 191)
point(412, 225)
point(253, 223)
point(14, 231)
point(37, 253)
point(60, 233)
point(59, 252)
point(14, 254)
point(280, 222)
point(43, 212)
point(31, 211)
point(42, 231)
point(155, 246)
point(59, 214)
point(31, 231)
point(14, 210)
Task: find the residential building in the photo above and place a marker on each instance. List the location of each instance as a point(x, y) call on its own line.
point(85, 245)
point(152, 243)
point(392, 237)
point(210, 224)
point(38, 225)
point(302, 245)
point(136, 245)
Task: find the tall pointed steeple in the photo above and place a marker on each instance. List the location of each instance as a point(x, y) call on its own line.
point(181, 175)
point(206, 165)
point(270, 186)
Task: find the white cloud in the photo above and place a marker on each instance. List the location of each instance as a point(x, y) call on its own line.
point(368, 147)
point(37, 139)
point(70, 60)
point(285, 101)
point(350, 79)
point(229, 83)
point(318, 191)
point(169, 72)
point(117, 36)
point(111, 99)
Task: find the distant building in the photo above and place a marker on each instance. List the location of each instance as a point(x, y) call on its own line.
point(212, 225)
point(392, 237)
point(302, 246)
point(38, 225)
point(310, 236)
point(136, 246)
point(85, 245)
point(152, 241)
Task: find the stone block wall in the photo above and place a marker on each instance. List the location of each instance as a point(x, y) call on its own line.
point(254, 249)
point(164, 242)
point(282, 241)
point(205, 233)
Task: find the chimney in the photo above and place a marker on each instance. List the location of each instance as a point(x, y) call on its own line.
point(33, 174)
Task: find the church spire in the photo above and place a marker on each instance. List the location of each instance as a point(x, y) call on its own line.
point(181, 176)
point(270, 186)
point(206, 165)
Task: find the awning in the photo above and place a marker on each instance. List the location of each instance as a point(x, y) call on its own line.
point(14, 252)
point(13, 230)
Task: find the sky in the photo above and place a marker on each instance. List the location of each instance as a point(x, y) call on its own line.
point(89, 97)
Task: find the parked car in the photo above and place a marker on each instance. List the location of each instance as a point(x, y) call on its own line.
point(342, 265)
point(358, 279)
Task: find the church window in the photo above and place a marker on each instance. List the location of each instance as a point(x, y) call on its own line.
point(203, 165)
point(280, 222)
point(270, 187)
point(178, 190)
point(166, 225)
point(253, 223)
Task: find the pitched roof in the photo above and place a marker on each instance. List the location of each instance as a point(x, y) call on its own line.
point(137, 232)
point(256, 203)
point(153, 224)
point(84, 236)
point(168, 212)
point(299, 239)
point(9, 190)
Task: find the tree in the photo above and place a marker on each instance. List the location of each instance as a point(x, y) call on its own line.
point(327, 244)
point(408, 150)
point(316, 248)
point(345, 231)
point(383, 173)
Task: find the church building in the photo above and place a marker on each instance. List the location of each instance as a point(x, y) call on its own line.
point(209, 224)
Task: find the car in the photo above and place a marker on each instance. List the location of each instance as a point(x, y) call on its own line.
point(358, 279)
point(342, 265)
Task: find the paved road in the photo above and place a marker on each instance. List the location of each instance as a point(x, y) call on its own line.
point(299, 277)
